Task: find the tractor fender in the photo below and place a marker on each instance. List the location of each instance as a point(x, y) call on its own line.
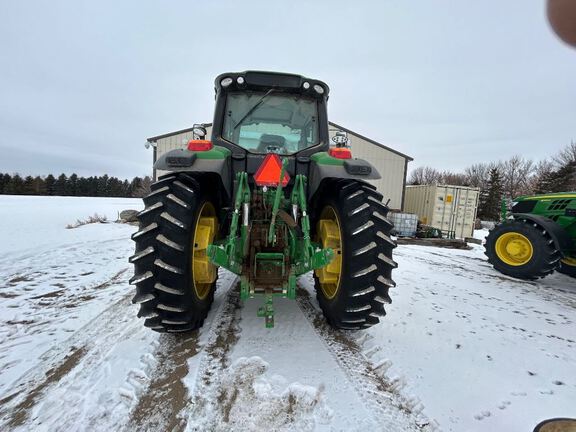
point(562, 240)
point(184, 160)
point(357, 169)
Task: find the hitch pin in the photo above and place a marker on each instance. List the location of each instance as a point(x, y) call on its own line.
point(295, 212)
point(245, 214)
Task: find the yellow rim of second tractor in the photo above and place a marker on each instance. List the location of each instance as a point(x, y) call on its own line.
point(571, 262)
point(203, 271)
point(514, 249)
point(329, 234)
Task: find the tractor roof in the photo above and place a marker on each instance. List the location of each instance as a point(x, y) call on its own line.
point(254, 80)
point(554, 195)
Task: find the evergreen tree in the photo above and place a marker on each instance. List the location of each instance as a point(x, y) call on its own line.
point(50, 185)
point(60, 185)
point(28, 188)
point(561, 180)
point(126, 189)
point(93, 186)
point(39, 186)
point(135, 186)
point(102, 188)
point(15, 186)
point(72, 185)
point(82, 187)
point(114, 187)
point(4, 179)
point(564, 179)
point(491, 198)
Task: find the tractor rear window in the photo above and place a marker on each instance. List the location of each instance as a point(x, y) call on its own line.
point(270, 122)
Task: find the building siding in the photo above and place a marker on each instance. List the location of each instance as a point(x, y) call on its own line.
point(390, 165)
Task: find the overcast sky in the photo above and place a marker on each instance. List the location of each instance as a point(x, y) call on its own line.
point(450, 83)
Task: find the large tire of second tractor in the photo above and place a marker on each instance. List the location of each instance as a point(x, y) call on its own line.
point(521, 249)
point(568, 266)
point(173, 286)
point(353, 211)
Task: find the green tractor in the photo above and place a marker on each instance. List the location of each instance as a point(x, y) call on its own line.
point(269, 199)
point(536, 238)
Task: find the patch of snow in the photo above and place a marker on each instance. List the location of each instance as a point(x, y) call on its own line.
point(481, 350)
point(250, 401)
point(481, 234)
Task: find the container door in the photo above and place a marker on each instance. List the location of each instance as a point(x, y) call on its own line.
point(443, 210)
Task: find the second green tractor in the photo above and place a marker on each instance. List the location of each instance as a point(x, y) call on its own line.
point(537, 237)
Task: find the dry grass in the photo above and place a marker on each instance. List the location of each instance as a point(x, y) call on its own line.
point(95, 218)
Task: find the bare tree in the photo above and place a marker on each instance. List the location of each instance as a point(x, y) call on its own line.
point(566, 155)
point(478, 175)
point(542, 172)
point(516, 173)
point(424, 176)
point(454, 179)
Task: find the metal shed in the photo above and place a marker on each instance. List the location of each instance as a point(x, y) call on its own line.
point(392, 164)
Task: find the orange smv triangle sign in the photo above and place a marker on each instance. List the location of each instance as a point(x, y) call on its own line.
point(269, 172)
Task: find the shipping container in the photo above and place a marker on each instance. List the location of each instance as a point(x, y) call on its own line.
point(405, 224)
point(451, 209)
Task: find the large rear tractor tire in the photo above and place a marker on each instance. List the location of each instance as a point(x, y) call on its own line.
point(174, 280)
point(568, 266)
point(352, 289)
point(522, 249)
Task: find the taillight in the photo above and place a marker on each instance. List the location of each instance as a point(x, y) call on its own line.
point(340, 153)
point(269, 172)
point(200, 145)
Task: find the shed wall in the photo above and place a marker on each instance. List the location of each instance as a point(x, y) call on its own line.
point(391, 166)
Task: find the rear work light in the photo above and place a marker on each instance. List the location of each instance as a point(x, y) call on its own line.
point(200, 145)
point(340, 153)
point(268, 173)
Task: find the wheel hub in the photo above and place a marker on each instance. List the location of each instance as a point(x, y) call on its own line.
point(569, 261)
point(514, 249)
point(329, 233)
point(203, 270)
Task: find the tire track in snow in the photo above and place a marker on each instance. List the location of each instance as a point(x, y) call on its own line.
point(166, 396)
point(68, 369)
point(165, 403)
point(19, 414)
point(392, 410)
point(221, 390)
point(222, 338)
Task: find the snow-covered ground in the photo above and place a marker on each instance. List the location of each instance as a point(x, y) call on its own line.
point(463, 348)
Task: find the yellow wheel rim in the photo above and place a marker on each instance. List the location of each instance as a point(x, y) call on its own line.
point(569, 261)
point(329, 234)
point(514, 249)
point(203, 271)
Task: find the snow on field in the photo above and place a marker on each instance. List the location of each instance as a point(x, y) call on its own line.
point(30, 222)
point(462, 347)
point(482, 351)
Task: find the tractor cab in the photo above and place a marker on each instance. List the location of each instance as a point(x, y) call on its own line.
point(266, 112)
point(258, 113)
